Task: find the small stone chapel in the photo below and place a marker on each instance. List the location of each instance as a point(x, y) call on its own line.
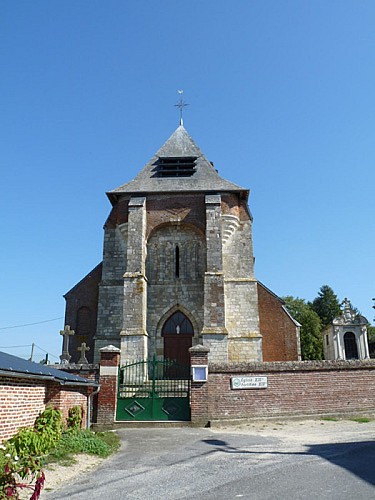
point(178, 270)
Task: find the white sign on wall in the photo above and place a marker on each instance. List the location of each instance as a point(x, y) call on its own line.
point(248, 382)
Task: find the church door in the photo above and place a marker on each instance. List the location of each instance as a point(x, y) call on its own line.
point(351, 350)
point(178, 335)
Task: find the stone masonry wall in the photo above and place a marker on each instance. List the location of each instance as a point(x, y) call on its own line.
point(111, 288)
point(168, 292)
point(241, 298)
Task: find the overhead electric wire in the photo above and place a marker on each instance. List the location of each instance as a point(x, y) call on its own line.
point(28, 345)
point(14, 346)
point(30, 324)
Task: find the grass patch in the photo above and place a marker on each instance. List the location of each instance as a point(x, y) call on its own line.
point(330, 419)
point(71, 443)
point(361, 420)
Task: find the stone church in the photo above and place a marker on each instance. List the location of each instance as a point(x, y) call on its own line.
point(178, 270)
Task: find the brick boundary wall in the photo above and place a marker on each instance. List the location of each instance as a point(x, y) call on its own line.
point(294, 389)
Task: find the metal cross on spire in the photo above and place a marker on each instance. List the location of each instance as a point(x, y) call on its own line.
point(181, 104)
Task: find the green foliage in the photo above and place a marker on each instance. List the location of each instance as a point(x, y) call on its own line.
point(102, 444)
point(371, 333)
point(49, 421)
point(311, 339)
point(29, 442)
point(74, 420)
point(17, 473)
point(326, 305)
point(20, 457)
point(40, 439)
point(20, 462)
point(361, 420)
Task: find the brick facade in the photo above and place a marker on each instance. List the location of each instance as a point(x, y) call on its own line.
point(280, 333)
point(23, 399)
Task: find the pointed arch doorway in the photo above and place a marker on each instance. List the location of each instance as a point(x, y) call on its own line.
point(178, 333)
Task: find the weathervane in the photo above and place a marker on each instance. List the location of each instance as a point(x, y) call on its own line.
point(181, 104)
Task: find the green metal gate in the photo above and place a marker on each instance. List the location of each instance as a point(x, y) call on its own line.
point(153, 390)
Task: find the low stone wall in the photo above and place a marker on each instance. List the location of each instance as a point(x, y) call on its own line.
point(293, 389)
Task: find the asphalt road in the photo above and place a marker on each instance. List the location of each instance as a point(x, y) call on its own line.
point(187, 463)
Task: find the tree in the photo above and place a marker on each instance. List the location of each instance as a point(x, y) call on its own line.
point(326, 305)
point(310, 333)
point(371, 333)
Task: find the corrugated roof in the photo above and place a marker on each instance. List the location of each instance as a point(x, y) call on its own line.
point(13, 365)
point(180, 144)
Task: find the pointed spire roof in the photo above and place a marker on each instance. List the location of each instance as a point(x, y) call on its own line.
point(179, 145)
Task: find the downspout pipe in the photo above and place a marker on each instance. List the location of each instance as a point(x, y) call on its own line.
point(89, 399)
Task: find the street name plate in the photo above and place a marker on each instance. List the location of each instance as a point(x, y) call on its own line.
point(248, 382)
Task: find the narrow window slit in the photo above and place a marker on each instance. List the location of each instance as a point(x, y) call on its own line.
point(177, 262)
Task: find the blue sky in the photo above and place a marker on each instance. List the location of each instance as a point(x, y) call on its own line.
point(281, 97)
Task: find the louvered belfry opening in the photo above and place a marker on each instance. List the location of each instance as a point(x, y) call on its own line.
point(182, 166)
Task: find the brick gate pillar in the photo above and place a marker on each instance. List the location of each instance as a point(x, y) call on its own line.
point(199, 389)
point(108, 378)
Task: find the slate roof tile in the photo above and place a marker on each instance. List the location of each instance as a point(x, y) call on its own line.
point(180, 144)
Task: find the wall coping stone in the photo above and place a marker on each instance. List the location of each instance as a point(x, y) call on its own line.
point(110, 348)
point(199, 348)
point(292, 366)
point(76, 366)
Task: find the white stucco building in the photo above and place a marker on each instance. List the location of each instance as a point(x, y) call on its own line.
point(346, 337)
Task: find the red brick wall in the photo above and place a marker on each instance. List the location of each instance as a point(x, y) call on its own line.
point(199, 390)
point(21, 401)
point(294, 388)
point(64, 398)
point(107, 397)
point(189, 209)
point(279, 332)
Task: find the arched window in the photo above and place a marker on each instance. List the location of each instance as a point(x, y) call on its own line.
point(83, 321)
point(350, 343)
point(178, 323)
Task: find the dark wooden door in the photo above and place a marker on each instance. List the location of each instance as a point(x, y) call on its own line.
point(176, 348)
point(178, 337)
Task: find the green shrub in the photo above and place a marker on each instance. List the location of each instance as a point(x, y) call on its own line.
point(74, 420)
point(40, 439)
point(50, 422)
